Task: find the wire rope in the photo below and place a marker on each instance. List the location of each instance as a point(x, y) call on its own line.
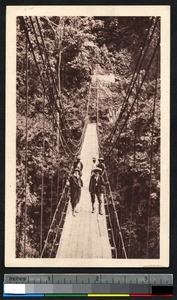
point(151, 159)
point(36, 63)
point(133, 181)
point(57, 91)
point(48, 62)
point(136, 95)
point(26, 154)
point(42, 175)
point(140, 60)
point(112, 200)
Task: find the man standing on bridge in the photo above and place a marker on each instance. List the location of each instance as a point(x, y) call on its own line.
point(95, 188)
point(78, 164)
point(101, 165)
point(94, 164)
point(75, 182)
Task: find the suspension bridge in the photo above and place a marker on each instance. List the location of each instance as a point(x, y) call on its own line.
point(86, 235)
point(89, 235)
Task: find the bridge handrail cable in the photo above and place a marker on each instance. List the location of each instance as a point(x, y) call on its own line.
point(112, 201)
point(136, 96)
point(109, 187)
point(65, 190)
point(143, 52)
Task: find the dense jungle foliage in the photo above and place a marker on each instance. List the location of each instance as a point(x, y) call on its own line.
point(78, 48)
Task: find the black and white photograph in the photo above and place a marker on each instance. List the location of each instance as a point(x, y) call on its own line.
point(87, 136)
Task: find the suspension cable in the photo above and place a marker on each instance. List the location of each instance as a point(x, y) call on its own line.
point(117, 218)
point(44, 64)
point(112, 199)
point(133, 180)
point(51, 103)
point(51, 188)
point(135, 74)
point(58, 228)
point(41, 54)
point(151, 158)
point(46, 58)
point(42, 175)
point(140, 61)
point(134, 78)
point(54, 216)
point(97, 107)
point(31, 47)
point(60, 109)
point(45, 52)
point(36, 63)
point(124, 172)
point(115, 211)
point(26, 153)
point(40, 51)
point(42, 194)
point(88, 101)
point(79, 144)
point(137, 93)
point(62, 115)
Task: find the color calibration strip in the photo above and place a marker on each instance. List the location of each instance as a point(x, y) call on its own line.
point(86, 295)
point(88, 289)
point(88, 285)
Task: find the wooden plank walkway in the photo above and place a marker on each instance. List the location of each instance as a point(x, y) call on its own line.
point(85, 235)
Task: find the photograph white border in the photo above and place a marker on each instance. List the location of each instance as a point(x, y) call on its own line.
point(12, 13)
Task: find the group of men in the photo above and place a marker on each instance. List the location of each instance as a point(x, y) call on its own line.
point(96, 185)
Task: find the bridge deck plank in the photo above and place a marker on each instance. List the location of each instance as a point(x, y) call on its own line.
point(85, 235)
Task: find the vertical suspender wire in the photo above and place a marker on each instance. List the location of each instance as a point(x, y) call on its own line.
point(43, 58)
point(60, 38)
point(60, 33)
point(34, 57)
point(43, 85)
point(60, 207)
point(120, 206)
point(143, 53)
point(137, 93)
point(99, 144)
point(52, 184)
point(116, 176)
point(61, 117)
point(97, 115)
point(51, 202)
point(114, 219)
point(57, 186)
point(151, 158)
point(42, 172)
point(42, 175)
point(141, 57)
point(26, 153)
point(51, 190)
point(124, 182)
point(44, 65)
point(109, 209)
point(43, 154)
point(45, 51)
point(133, 180)
point(88, 101)
point(118, 170)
